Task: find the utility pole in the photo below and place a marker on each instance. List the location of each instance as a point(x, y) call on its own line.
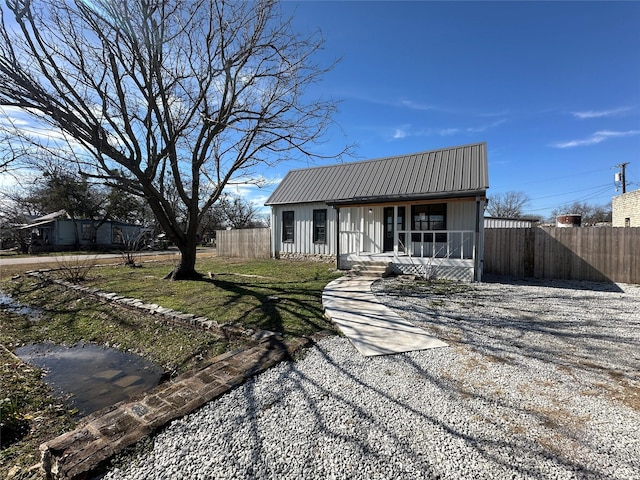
point(623, 178)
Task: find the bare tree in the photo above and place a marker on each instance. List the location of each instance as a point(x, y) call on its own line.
point(591, 214)
point(507, 205)
point(151, 93)
point(237, 212)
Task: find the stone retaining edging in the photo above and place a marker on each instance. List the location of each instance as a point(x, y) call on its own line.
point(168, 314)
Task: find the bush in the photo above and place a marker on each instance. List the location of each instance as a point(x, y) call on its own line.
point(75, 269)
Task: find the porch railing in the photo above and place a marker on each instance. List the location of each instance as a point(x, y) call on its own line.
point(436, 243)
point(456, 244)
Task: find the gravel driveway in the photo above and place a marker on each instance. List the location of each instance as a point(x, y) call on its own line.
point(541, 380)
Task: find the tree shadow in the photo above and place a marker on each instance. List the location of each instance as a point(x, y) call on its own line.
point(408, 424)
point(553, 283)
point(272, 303)
point(332, 422)
point(552, 331)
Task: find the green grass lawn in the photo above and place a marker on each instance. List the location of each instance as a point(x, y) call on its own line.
point(235, 293)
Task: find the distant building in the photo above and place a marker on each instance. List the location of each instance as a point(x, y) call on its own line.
point(56, 232)
point(626, 210)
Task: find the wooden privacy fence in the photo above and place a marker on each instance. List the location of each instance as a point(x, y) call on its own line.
point(599, 254)
point(248, 243)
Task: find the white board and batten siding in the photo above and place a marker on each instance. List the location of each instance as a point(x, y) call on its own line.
point(303, 230)
point(361, 228)
point(461, 215)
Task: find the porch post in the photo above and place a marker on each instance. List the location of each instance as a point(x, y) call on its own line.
point(361, 233)
point(478, 243)
point(395, 230)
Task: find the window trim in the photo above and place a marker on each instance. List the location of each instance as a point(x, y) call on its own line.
point(85, 231)
point(285, 222)
point(316, 226)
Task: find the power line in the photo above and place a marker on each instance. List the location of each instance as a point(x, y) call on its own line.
point(573, 191)
point(571, 175)
point(579, 199)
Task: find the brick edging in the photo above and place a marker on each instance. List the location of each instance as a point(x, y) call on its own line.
point(103, 434)
point(76, 454)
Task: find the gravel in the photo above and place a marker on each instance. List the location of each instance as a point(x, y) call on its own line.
point(540, 380)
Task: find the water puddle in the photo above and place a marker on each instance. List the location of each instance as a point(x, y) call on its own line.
point(8, 303)
point(91, 376)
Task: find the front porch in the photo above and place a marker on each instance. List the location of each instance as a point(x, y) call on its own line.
point(453, 258)
point(399, 235)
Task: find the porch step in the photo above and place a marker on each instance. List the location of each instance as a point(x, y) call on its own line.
point(371, 269)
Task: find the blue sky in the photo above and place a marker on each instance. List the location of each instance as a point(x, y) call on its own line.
point(552, 87)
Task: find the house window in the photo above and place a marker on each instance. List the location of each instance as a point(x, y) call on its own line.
point(429, 217)
point(86, 231)
point(320, 226)
point(432, 216)
point(287, 226)
point(116, 235)
point(627, 222)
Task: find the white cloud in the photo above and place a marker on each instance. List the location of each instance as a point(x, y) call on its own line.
point(601, 113)
point(595, 138)
point(444, 132)
point(483, 128)
point(415, 105)
point(406, 131)
point(400, 133)
point(251, 192)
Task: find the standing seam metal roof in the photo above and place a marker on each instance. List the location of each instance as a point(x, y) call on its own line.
point(445, 172)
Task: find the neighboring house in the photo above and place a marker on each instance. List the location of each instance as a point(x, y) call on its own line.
point(55, 231)
point(497, 222)
point(421, 212)
point(625, 210)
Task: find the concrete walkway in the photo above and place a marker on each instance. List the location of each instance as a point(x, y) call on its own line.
point(372, 327)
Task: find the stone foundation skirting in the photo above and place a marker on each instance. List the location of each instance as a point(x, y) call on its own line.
point(313, 257)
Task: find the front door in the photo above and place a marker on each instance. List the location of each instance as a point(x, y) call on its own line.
point(388, 229)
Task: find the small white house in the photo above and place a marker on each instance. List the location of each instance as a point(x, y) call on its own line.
point(421, 212)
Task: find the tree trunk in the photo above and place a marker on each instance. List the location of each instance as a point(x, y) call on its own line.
point(186, 269)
